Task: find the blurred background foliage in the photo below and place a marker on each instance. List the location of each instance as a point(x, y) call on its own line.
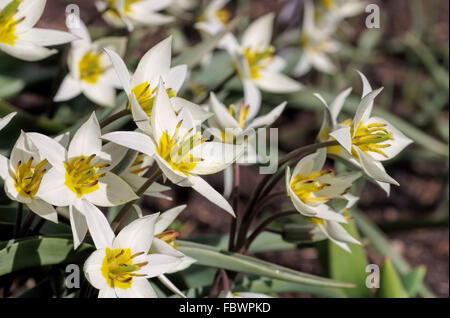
point(408, 55)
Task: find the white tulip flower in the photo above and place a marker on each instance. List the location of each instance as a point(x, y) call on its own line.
point(257, 65)
point(231, 125)
point(5, 120)
point(333, 231)
point(142, 86)
point(18, 38)
point(179, 148)
point(164, 243)
point(90, 69)
point(334, 11)
point(80, 178)
point(121, 265)
point(365, 141)
point(134, 13)
point(310, 187)
point(316, 43)
point(23, 174)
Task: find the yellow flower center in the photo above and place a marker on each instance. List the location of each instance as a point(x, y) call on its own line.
point(228, 135)
point(369, 138)
point(176, 151)
point(146, 96)
point(312, 45)
point(258, 61)
point(90, 67)
point(306, 187)
point(317, 221)
point(28, 177)
point(118, 268)
point(169, 237)
point(81, 176)
point(126, 6)
point(7, 23)
point(327, 4)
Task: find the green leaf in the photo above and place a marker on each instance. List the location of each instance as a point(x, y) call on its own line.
point(413, 280)
point(37, 252)
point(380, 243)
point(10, 87)
point(390, 283)
point(213, 257)
point(194, 55)
point(347, 267)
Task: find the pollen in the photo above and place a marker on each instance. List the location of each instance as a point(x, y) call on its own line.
point(258, 61)
point(90, 67)
point(82, 176)
point(137, 165)
point(176, 150)
point(169, 237)
point(146, 96)
point(8, 24)
point(28, 178)
point(371, 138)
point(118, 268)
point(306, 187)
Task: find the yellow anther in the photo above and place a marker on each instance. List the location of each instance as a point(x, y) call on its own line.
point(90, 67)
point(28, 178)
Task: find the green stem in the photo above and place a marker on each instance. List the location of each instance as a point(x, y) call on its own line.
point(249, 212)
point(18, 219)
point(113, 118)
point(236, 178)
point(115, 225)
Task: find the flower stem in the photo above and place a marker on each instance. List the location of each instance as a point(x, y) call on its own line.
point(26, 225)
point(113, 118)
point(249, 212)
point(115, 225)
point(262, 226)
point(236, 179)
point(18, 220)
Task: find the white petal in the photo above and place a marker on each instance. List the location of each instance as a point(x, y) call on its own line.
point(103, 94)
point(78, 225)
point(177, 76)
point(44, 37)
point(107, 292)
point(140, 288)
point(277, 83)
point(98, 225)
point(206, 190)
point(159, 264)
point(155, 63)
point(197, 112)
point(303, 66)
point(27, 51)
point(215, 156)
point(121, 69)
point(53, 190)
point(137, 235)
point(69, 89)
point(366, 85)
point(5, 120)
point(337, 232)
point(222, 116)
point(166, 282)
point(166, 218)
point(86, 140)
point(268, 119)
point(374, 169)
point(49, 149)
point(44, 210)
point(4, 164)
point(344, 137)
point(163, 117)
point(338, 103)
point(132, 140)
point(365, 107)
point(259, 33)
point(112, 191)
point(228, 177)
point(92, 270)
point(252, 97)
point(323, 64)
